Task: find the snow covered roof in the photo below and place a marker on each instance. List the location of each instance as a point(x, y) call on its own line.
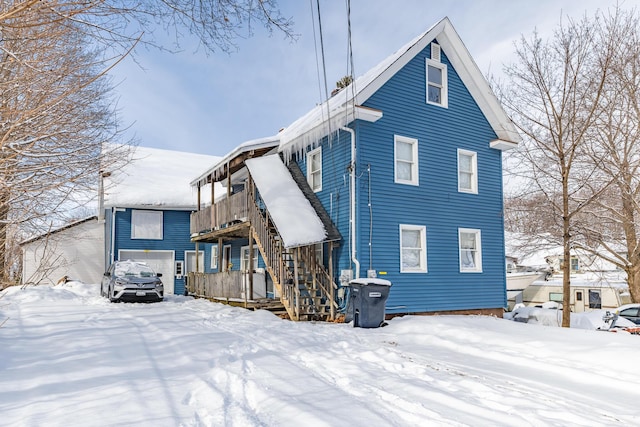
point(217, 168)
point(346, 105)
point(297, 222)
point(156, 178)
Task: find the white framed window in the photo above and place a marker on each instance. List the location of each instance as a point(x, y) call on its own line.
point(469, 242)
point(146, 225)
point(406, 160)
point(436, 83)
point(413, 249)
point(244, 259)
point(190, 262)
point(214, 257)
point(467, 171)
point(314, 169)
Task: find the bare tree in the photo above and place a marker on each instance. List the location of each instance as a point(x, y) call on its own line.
point(57, 112)
point(553, 93)
point(120, 23)
point(55, 116)
point(610, 225)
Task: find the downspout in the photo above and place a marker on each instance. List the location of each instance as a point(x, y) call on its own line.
point(352, 219)
point(113, 234)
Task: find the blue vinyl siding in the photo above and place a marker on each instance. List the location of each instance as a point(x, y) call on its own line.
point(336, 156)
point(435, 203)
point(175, 238)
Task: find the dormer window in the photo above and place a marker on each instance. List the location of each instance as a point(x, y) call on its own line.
point(436, 78)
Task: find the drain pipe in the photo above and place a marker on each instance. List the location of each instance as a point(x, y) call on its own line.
point(352, 218)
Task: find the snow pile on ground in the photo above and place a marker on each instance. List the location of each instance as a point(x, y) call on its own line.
point(69, 357)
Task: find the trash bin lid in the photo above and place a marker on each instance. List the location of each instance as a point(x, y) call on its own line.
point(370, 281)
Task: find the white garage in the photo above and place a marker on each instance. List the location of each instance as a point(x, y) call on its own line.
point(75, 251)
point(160, 261)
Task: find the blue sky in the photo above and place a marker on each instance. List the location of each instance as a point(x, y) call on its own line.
point(189, 101)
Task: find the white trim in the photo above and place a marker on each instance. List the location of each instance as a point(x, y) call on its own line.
point(310, 172)
point(178, 269)
point(501, 145)
point(214, 265)
point(474, 171)
point(415, 179)
point(256, 257)
point(423, 248)
point(478, 242)
point(444, 87)
point(200, 264)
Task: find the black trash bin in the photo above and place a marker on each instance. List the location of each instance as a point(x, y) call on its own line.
point(367, 299)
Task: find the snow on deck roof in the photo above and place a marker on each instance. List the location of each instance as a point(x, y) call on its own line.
point(294, 217)
point(342, 108)
point(254, 144)
point(156, 178)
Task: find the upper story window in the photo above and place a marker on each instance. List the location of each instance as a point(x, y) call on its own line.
point(406, 160)
point(467, 172)
point(146, 225)
point(314, 169)
point(436, 78)
point(413, 249)
point(470, 250)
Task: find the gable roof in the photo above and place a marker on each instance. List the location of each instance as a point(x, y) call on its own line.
point(156, 178)
point(346, 106)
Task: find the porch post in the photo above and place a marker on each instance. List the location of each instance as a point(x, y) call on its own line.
point(197, 256)
point(198, 197)
point(220, 250)
point(213, 205)
point(332, 295)
point(228, 193)
point(251, 266)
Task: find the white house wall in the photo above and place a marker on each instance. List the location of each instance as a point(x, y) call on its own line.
point(76, 252)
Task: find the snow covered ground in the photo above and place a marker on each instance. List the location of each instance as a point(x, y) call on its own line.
point(70, 358)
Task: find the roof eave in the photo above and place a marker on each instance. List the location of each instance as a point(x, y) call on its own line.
point(502, 145)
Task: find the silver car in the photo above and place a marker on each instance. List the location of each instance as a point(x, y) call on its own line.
point(131, 281)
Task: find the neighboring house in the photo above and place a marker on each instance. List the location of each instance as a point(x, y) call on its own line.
point(147, 207)
point(399, 176)
point(536, 276)
point(75, 251)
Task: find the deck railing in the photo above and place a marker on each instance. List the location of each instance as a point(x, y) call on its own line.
point(224, 212)
point(224, 285)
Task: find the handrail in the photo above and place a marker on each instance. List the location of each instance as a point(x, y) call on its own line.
point(272, 252)
point(284, 266)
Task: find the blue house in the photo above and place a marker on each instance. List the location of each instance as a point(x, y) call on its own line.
point(146, 213)
point(401, 178)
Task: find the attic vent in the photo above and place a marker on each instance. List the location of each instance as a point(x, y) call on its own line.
point(435, 52)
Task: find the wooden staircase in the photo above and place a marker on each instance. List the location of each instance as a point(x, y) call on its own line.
point(306, 289)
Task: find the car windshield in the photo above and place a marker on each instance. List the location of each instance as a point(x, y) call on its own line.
point(133, 269)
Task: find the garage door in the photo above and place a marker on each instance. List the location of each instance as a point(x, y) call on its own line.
point(160, 261)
